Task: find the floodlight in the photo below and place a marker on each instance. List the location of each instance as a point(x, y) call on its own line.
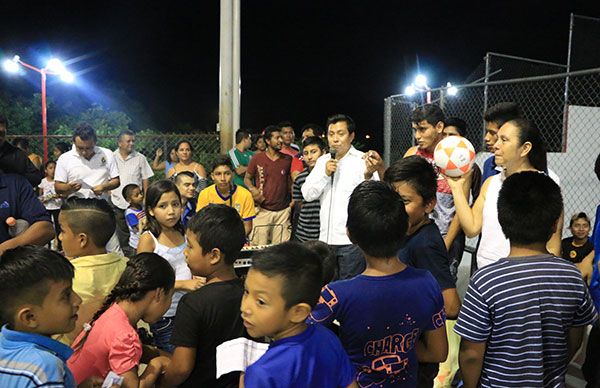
point(410, 90)
point(56, 66)
point(67, 77)
point(451, 90)
point(10, 66)
point(421, 81)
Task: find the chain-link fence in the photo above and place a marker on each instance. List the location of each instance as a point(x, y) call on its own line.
point(571, 130)
point(206, 146)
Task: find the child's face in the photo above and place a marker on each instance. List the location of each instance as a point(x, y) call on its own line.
point(136, 197)
point(263, 307)
point(310, 154)
point(198, 261)
point(221, 175)
point(261, 145)
point(161, 301)
point(417, 211)
point(58, 312)
point(450, 130)
point(580, 228)
point(167, 211)
point(50, 170)
point(428, 135)
point(186, 186)
point(71, 242)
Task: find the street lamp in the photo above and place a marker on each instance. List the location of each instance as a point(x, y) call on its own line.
point(53, 67)
point(419, 85)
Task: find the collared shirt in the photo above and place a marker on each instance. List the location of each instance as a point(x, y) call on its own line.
point(334, 194)
point(18, 200)
point(133, 169)
point(71, 167)
point(239, 198)
point(33, 360)
point(189, 209)
point(239, 158)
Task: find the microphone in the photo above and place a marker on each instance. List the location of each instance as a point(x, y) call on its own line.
point(333, 153)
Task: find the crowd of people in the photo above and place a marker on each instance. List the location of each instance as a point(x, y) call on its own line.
point(109, 277)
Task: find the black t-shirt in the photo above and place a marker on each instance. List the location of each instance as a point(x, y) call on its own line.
point(573, 253)
point(205, 319)
point(15, 161)
point(425, 249)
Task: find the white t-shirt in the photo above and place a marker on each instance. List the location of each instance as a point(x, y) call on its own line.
point(101, 168)
point(134, 169)
point(48, 191)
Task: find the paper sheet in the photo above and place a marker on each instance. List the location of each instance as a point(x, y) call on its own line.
point(236, 355)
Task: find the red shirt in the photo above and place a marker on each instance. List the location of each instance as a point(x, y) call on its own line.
point(272, 178)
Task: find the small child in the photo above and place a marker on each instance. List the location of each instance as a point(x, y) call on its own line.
point(391, 315)
point(86, 225)
point(135, 216)
point(111, 343)
point(164, 236)
point(52, 201)
point(209, 316)
point(281, 289)
point(37, 303)
point(523, 316)
point(578, 246)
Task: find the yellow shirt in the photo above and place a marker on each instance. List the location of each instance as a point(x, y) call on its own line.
point(240, 199)
point(95, 277)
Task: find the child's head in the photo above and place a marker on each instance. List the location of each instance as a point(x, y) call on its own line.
point(86, 225)
point(529, 205)
point(281, 288)
point(147, 276)
point(454, 126)
point(312, 148)
point(580, 226)
point(415, 180)
point(221, 173)
point(186, 184)
point(36, 292)
point(49, 168)
point(328, 258)
point(215, 236)
point(163, 207)
point(133, 194)
point(428, 123)
point(377, 221)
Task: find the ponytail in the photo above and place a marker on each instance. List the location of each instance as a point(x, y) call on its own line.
point(528, 132)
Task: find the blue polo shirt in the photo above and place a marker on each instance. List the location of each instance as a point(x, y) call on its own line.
point(33, 360)
point(18, 200)
point(188, 211)
point(489, 168)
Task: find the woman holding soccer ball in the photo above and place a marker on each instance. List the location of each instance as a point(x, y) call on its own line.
point(520, 147)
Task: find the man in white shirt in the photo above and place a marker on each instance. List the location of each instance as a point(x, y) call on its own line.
point(331, 181)
point(133, 169)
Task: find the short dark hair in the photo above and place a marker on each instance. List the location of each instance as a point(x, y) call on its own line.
point(317, 129)
point(91, 216)
point(241, 134)
point(458, 123)
point(222, 161)
point(502, 112)
point(284, 124)
point(377, 221)
point(219, 226)
point(21, 142)
point(25, 273)
point(62, 146)
point(417, 172)
point(328, 258)
point(431, 113)
point(529, 204)
point(314, 140)
point(49, 162)
point(189, 174)
point(128, 189)
point(125, 132)
point(269, 131)
point(85, 132)
point(342, 117)
point(597, 167)
point(300, 268)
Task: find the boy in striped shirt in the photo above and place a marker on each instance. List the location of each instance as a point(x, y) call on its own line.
point(523, 317)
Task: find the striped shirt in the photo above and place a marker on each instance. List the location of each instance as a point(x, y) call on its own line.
point(523, 307)
point(309, 223)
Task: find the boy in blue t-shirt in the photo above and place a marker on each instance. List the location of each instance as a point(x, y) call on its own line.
point(391, 316)
point(134, 214)
point(37, 302)
point(523, 316)
point(281, 288)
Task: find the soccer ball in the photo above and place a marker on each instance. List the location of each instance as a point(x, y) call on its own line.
point(454, 156)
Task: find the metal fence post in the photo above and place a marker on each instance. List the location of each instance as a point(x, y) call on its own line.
point(485, 93)
point(387, 130)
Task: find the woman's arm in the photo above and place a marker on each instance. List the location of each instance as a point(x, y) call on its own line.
point(471, 219)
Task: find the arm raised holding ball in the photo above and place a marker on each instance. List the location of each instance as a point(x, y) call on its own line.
point(470, 218)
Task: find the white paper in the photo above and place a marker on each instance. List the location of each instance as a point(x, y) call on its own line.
point(236, 355)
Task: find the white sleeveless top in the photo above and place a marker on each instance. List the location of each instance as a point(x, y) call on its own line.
point(176, 258)
point(493, 244)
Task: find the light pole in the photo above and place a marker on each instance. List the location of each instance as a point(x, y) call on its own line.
point(420, 85)
point(53, 67)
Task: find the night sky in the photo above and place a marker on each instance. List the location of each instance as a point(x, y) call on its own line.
point(301, 60)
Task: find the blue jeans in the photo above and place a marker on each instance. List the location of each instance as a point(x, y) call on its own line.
point(350, 261)
point(161, 331)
